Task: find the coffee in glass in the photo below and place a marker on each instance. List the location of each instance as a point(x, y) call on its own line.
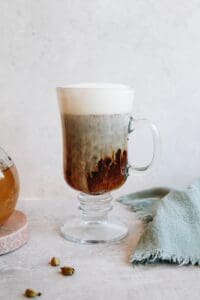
point(95, 151)
point(96, 122)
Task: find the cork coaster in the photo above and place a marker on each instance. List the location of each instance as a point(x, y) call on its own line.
point(14, 233)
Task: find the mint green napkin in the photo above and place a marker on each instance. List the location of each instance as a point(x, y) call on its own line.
point(172, 221)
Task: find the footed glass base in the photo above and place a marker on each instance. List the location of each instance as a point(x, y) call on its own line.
point(94, 226)
point(78, 231)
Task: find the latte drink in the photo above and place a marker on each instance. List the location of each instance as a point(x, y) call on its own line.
point(95, 132)
point(97, 122)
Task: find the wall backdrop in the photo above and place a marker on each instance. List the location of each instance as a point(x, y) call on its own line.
point(151, 45)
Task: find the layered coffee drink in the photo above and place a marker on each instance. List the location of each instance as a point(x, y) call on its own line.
point(95, 131)
point(96, 122)
point(95, 151)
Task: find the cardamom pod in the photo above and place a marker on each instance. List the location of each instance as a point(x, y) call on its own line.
point(67, 271)
point(55, 261)
point(29, 293)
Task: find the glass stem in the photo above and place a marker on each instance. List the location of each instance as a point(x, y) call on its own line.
point(94, 208)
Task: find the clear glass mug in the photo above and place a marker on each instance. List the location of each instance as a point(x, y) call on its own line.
point(96, 124)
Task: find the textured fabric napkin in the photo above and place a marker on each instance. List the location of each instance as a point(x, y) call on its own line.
point(172, 222)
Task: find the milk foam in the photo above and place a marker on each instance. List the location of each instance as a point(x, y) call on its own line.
point(83, 99)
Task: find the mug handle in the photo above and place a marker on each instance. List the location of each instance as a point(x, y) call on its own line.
point(138, 123)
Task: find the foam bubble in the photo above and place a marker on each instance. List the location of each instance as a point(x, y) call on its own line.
point(82, 99)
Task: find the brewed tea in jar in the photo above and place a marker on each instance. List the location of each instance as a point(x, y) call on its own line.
point(9, 186)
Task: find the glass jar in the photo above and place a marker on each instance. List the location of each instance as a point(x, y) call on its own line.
point(9, 186)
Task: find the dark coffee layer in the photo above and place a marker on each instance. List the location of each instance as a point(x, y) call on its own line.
point(110, 174)
point(95, 151)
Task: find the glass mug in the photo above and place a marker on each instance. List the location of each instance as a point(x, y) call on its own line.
point(96, 123)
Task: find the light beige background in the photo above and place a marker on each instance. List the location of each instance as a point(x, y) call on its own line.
point(151, 45)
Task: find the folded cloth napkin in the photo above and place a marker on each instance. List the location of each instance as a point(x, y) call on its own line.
point(172, 222)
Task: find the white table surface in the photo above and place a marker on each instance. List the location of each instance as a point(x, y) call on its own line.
point(102, 271)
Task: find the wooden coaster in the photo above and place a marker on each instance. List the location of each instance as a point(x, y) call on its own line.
point(14, 233)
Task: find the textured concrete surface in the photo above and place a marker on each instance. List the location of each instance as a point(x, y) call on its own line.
point(151, 45)
point(102, 271)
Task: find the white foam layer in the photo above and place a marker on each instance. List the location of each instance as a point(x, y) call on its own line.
point(82, 99)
